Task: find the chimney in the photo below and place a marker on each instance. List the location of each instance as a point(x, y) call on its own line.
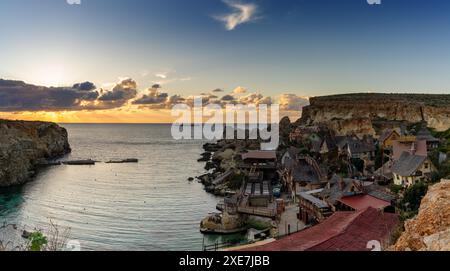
point(413, 148)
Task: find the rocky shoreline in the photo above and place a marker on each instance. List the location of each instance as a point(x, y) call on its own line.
point(221, 160)
point(24, 146)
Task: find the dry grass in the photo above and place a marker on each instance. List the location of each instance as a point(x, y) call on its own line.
point(57, 238)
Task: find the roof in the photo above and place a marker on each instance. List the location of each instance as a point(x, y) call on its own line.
point(408, 164)
point(341, 141)
point(425, 134)
point(293, 152)
point(303, 171)
point(316, 145)
point(382, 195)
point(419, 147)
point(340, 189)
point(385, 170)
point(362, 202)
point(317, 202)
point(260, 155)
point(328, 140)
point(343, 231)
point(386, 134)
point(359, 146)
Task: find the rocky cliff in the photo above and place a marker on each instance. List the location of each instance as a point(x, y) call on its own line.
point(24, 145)
point(430, 229)
point(360, 113)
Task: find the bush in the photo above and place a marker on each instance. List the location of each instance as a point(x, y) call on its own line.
point(37, 241)
point(413, 197)
point(395, 188)
point(236, 181)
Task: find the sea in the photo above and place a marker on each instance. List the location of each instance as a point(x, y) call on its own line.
point(146, 206)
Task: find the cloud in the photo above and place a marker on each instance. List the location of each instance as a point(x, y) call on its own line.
point(17, 96)
point(217, 90)
point(255, 98)
point(20, 96)
point(86, 86)
point(161, 75)
point(125, 90)
point(228, 98)
point(154, 97)
point(166, 77)
point(240, 90)
point(241, 13)
point(73, 2)
point(292, 102)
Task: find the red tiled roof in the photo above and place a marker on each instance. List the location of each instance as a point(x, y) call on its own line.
point(343, 231)
point(267, 155)
point(362, 202)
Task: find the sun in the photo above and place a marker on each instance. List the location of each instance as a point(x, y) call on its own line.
point(50, 75)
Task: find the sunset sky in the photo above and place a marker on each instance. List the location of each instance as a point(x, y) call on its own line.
point(142, 57)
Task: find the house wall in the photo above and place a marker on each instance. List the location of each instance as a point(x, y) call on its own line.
point(426, 168)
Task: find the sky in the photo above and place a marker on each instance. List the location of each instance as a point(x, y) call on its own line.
point(144, 56)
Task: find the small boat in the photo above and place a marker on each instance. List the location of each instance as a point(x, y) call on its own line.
point(79, 162)
point(131, 160)
point(222, 232)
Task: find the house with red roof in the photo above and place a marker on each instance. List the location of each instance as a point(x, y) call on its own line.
point(343, 231)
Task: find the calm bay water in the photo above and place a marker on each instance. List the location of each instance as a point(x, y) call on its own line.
point(144, 206)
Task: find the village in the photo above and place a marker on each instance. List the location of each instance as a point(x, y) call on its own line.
point(320, 190)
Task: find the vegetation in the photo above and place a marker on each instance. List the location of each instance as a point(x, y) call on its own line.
point(37, 241)
point(395, 188)
point(257, 224)
point(410, 203)
point(236, 181)
point(379, 157)
point(445, 138)
point(443, 169)
point(54, 238)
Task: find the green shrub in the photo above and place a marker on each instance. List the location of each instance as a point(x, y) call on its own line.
point(37, 241)
point(395, 188)
point(413, 197)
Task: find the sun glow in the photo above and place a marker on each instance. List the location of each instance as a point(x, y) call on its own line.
point(50, 75)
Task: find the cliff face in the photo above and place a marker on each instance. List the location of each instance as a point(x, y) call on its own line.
point(23, 145)
point(358, 112)
point(430, 230)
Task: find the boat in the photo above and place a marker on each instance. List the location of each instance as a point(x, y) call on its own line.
point(79, 162)
point(131, 160)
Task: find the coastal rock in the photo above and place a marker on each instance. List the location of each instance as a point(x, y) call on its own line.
point(430, 229)
point(205, 157)
point(23, 145)
point(221, 223)
point(358, 113)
